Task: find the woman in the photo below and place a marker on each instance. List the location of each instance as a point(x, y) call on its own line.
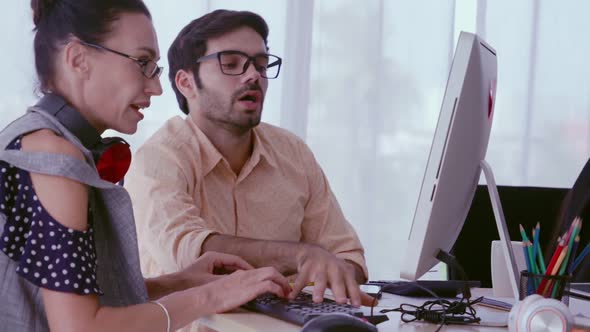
point(69, 258)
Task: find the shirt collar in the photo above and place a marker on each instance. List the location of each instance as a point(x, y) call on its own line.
point(260, 150)
point(211, 157)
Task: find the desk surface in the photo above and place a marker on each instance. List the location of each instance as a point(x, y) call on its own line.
point(242, 320)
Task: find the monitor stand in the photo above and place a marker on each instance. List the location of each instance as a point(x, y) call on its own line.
point(502, 228)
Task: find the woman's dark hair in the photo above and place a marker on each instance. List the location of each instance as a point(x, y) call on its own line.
point(191, 42)
point(57, 21)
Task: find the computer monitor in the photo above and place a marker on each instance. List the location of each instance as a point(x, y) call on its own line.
point(459, 145)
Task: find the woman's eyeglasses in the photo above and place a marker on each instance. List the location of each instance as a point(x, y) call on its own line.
point(149, 68)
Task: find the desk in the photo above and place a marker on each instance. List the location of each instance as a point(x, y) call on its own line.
point(242, 320)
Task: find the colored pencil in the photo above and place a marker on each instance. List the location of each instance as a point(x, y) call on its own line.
point(549, 285)
point(531, 257)
point(570, 268)
point(526, 257)
point(542, 288)
point(564, 265)
point(534, 268)
point(555, 256)
point(523, 233)
point(541, 260)
point(530, 285)
point(572, 227)
point(570, 246)
point(581, 256)
point(539, 257)
point(536, 230)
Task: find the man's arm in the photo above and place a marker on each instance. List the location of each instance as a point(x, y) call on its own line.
point(282, 255)
point(278, 254)
point(324, 225)
point(169, 227)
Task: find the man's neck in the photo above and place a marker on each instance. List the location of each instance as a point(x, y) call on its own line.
point(236, 147)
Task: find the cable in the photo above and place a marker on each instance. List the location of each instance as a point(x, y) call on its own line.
point(449, 259)
point(440, 311)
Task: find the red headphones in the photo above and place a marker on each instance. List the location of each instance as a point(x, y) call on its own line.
point(114, 159)
point(112, 155)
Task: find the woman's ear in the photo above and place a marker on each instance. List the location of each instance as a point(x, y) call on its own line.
point(75, 59)
point(185, 83)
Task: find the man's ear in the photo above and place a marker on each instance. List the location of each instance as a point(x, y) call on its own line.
point(185, 83)
point(76, 59)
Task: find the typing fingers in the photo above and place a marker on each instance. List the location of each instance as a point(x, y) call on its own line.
point(338, 286)
point(299, 283)
point(278, 279)
point(319, 288)
point(268, 286)
point(354, 291)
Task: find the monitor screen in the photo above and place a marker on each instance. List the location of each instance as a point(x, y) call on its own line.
point(459, 145)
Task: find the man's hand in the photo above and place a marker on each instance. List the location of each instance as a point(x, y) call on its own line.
point(212, 266)
point(321, 267)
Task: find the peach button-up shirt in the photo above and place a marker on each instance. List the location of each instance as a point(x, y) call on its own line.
point(183, 190)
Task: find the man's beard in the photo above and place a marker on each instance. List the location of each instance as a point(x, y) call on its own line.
point(227, 116)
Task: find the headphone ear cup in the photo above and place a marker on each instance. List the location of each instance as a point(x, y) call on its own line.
point(112, 158)
point(114, 162)
point(545, 315)
point(515, 315)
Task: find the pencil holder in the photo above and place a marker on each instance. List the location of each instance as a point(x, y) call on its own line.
point(549, 286)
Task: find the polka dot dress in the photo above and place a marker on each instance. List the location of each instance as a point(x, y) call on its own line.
point(48, 254)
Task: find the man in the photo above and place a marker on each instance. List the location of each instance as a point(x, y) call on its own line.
point(220, 180)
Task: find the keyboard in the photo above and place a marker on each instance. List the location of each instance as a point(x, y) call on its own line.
point(299, 310)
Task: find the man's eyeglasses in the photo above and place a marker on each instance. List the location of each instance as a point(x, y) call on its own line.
point(236, 63)
point(149, 68)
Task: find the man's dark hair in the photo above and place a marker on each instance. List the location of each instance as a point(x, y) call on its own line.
point(56, 21)
point(191, 42)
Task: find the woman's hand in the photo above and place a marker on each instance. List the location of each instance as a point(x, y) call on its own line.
point(212, 266)
point(230, 291)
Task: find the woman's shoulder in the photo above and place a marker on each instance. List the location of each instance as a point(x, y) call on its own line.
point(46, 140)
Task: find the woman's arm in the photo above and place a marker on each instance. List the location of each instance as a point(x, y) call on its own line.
point(208, 267)
point(67, 202)
point(70, 312)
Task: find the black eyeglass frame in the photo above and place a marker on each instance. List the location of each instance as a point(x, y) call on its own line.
point(251, 59)
point(143, 64)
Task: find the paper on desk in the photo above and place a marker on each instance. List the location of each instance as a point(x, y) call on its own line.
point(493, 318)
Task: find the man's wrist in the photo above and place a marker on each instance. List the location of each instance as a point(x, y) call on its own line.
point(303, 251)
point(289, 256)
point(359, 273)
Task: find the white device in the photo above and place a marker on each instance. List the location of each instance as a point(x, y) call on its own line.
point(501, 283)
point(538, 314)
point(456, 155)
